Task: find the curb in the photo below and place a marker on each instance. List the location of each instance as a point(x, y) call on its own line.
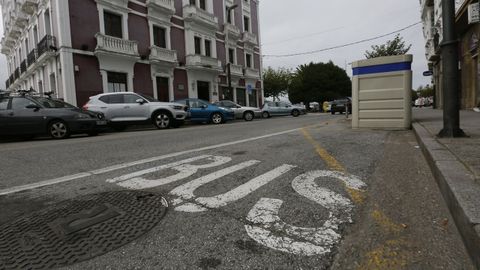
point(458, 187)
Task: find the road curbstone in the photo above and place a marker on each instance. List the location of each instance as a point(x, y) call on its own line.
point(458, 187)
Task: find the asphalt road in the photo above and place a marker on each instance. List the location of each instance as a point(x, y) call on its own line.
point(280, 193)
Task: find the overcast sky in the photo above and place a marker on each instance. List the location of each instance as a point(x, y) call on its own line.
point(308, 25)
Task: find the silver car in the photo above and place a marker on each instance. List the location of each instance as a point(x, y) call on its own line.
point(274, 108)
point(125, 108)
point(241, 112)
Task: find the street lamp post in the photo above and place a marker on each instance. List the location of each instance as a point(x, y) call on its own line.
point(451, 106)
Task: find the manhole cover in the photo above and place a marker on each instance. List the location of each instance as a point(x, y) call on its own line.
point(78, 229)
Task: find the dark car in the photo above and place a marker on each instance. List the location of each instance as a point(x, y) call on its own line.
point(339, 105)
point(35, 115)
point(202, 111)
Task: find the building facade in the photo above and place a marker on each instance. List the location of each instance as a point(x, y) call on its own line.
point(468, 33)
point(168, 49)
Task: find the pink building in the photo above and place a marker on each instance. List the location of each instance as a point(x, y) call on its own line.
point(168, 49)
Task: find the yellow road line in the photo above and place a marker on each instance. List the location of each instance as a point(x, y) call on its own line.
point(333, 164)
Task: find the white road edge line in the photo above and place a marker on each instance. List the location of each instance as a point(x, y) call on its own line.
point(133, 163)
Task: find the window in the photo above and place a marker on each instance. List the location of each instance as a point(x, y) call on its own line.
point(113, 24)
point(252, 98)
point(246, 24)
point(130, 98)
point(241, 97)
point(21, 103)
point(112, 99)
point(192, 2)
point(248, 58)
point(229, 13)
point(198, 45)
point(231, 56)
point(4, 104)
point(117, 82)
point(208, 48)
point(159, 37)
point(203, 4)
point(48, 29)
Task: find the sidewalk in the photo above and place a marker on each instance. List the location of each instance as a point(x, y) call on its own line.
point(455, 164)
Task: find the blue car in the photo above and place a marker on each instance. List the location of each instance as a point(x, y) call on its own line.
point(202, 111)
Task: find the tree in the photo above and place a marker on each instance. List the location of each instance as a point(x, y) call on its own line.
point(319, 82)
point(425, 91)
point(392, 47)
point(276, 82)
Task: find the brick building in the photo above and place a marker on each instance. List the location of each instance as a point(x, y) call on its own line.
point(168, 49)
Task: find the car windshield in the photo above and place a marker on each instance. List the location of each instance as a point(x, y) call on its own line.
point(149, 98)
point(52, 103)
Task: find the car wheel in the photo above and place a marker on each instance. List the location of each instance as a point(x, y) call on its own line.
point(332, 112)
point(162, 120)
point(217, 118)
point(295, 113)
point(58, 129)
point(265, 115)
point(248, 116)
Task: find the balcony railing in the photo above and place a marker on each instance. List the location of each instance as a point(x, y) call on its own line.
point(251, 73)
point(116, 45)
point(23, 66)
point(193, 13)
point(236, 70)
point(165, 5)
point(250, 38)
point(47, 44)
point(203, 61)
point(16, 74)
point(232, 31)
point(162, 55)
point(32, 57)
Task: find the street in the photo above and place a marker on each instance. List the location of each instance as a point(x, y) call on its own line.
point(280, 193)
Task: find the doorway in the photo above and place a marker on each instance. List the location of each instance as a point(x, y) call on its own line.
point(203, 89)
point(162, 89)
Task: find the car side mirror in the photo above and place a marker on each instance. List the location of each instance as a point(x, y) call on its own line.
point(140, 101)
point(33, 106)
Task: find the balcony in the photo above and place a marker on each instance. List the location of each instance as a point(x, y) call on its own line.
point(236, 70)
point(46, 45)
point(163, 6)
point(251, 73)
point(231, 31)
point(201, 61)
point(199, 16)
point(23, 66)
point(249, 38)
point(29, 6)
point(113, 45)
point(162, 55)
point(32, 57)
point(20, 18)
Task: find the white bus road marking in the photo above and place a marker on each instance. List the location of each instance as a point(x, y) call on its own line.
point(231, 196)
point(317, 241)
point(131, 164)
point(134, 181)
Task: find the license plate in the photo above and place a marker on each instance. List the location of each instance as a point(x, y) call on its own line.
point(101, 123)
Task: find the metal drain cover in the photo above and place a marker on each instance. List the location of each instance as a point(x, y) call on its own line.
point(78, 229)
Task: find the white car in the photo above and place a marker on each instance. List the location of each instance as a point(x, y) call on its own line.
point(241, 112)
point(125, 108)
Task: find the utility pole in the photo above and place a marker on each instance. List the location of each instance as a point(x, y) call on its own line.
point(450, 82)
